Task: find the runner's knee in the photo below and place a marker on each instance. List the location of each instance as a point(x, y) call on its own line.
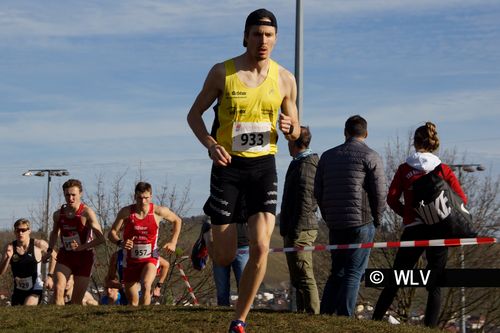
point(259, 250)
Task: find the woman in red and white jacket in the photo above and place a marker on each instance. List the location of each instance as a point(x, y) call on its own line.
point(421, 162)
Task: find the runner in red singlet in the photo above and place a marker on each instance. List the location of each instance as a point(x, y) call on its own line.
point(80, 232)
point(140, 225)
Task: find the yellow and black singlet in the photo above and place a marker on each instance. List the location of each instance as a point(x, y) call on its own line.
point(245, 123)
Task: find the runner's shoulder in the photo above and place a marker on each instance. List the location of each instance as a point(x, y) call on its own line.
point(285, 75)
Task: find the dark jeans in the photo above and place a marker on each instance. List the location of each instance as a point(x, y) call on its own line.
point(341, 289)
point(407, 258)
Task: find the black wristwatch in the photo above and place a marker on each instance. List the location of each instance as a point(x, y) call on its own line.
point(119, 243)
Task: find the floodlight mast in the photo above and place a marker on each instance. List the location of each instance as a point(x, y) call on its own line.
point(49, 173)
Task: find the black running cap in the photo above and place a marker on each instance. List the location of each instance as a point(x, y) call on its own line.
point(256, 17)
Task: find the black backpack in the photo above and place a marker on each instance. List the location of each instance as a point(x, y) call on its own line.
point(437, 205)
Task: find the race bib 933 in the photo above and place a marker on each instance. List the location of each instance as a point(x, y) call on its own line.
point(251, 137)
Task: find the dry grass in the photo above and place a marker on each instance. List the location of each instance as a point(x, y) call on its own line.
point(109, 319)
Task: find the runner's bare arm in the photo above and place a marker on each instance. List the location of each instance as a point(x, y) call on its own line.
point(212, 89)
point(114, 232)
point(111, 279)
point(43, 246)
point(54, 234)
point(94, 224)
point(176, 221)
point(8, 251)
point(49, 257)
point(52, 262)
point(288, 118)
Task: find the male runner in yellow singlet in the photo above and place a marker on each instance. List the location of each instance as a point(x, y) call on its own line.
point(249, 89)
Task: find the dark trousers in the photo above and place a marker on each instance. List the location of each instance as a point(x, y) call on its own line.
point(407, 258)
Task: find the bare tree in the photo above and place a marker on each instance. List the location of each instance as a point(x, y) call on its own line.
point(106, 204)
point(179, 203)
point(485, 208)
point(37, 216)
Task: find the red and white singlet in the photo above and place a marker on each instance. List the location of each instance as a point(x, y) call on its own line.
point(146, 238)
point(73, 229)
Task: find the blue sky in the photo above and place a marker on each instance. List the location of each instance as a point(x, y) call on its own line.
point(103, 87)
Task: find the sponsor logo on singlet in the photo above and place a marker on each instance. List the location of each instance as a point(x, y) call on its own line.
point(236, 94)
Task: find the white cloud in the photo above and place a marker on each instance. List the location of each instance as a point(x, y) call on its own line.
point(452, 107)
point(341, 7)
point(91, 18)
point(56, 126)
point(76, 18)
point(86, 18)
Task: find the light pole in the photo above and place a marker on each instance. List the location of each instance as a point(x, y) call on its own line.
point(49, 173)
point(467, 168)
point(299, 70)
point(299, 55)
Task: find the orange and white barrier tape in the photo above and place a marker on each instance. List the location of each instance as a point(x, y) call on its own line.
point(382, 245)
point(186, 281)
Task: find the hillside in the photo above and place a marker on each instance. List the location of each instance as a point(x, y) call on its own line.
point(178, 319)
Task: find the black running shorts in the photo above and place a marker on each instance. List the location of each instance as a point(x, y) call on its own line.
point(253, 180)
point(19, 296)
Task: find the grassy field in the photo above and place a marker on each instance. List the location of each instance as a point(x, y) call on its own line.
point(179, 320)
